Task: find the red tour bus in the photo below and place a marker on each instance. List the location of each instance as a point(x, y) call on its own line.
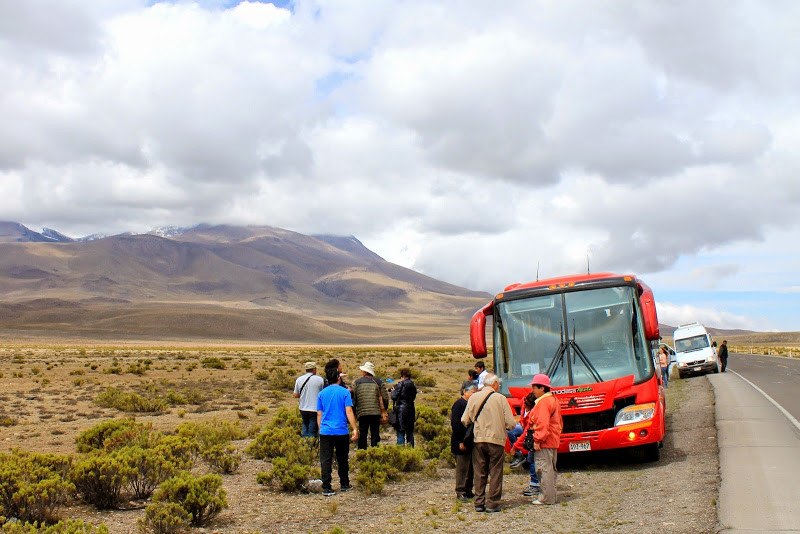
point(596, 337)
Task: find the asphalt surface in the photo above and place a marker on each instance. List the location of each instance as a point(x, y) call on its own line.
point(759, 444)
point(778, 376)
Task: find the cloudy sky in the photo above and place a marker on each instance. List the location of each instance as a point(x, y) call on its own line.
point(467, 141)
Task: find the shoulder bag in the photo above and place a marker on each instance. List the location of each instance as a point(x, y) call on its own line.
point(469, 435)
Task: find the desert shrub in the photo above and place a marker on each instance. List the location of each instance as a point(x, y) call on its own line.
point(70, 526)
point(113, 434)
point(33, 486)
point(446, 457)
point(290, 475)
point(262, 375)
point(281, 437)
point(100, 479)
point(213, 439)
point(6, 420)
point(212, 362)
point(430, 423)
point(425, 381)
point(149, 467)
point(201, 497)
point(137, 368)
point(223, 458)
point(376, 465)
point(129, 401)
point(282, 379)
point(211, 433)
point(164, 518)
point(433, 448)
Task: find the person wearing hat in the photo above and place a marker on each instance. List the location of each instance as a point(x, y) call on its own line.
point(370, 399)
point(547, 426)
point(492, 416)
point(307, 388)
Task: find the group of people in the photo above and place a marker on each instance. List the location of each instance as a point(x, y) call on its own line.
point(338, 413)
point(479, 464)
point(664, 359)
point(328, 405)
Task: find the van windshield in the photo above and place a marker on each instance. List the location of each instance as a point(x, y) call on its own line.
point(691, 344)
point(579, 337)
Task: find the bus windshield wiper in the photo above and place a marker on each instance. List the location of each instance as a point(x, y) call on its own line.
point(578, 353)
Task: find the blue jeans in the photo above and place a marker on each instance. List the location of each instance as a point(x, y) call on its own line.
point(514, 434)
point(310, 429)
point(532, 463)
point(665, 375)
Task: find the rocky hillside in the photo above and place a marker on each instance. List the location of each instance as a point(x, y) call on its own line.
point(225, 282)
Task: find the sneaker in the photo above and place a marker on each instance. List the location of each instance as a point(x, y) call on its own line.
point(494, 510)
point(518, 460)
point(480, 508)
point(538, 502)
point(464, 498)
point(345, 488)
point(531, 491)
point(328, 492)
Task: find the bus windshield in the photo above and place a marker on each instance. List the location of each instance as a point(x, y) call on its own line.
point(579, 337)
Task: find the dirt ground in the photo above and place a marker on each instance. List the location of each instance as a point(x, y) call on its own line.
point(596, 492)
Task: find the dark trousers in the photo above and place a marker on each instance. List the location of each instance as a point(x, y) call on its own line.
point(464, 475)
point(327, 446)
point(487, 461)
point(373, 424)
point(724, 362)
point(310, 429)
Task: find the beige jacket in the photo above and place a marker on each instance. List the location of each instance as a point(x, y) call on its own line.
point(494, 420)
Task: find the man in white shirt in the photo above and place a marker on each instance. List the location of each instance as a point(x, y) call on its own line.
point(307, 388)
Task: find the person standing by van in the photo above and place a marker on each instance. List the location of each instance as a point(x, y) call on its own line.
point(663, 357)
point(722, 355)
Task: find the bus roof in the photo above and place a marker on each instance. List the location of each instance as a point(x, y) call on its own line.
point(575, 278)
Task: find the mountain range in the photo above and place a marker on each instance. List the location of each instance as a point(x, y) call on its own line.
point(247, 283)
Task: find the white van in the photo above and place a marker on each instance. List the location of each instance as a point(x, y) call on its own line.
point(693, 350)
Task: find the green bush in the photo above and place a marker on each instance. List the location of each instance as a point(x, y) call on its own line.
point(430, 423)
point(212, 363)
point(282, 379)
point(113, 434)
point(434, 447)
point(223, 458)
point(213, 439)
point(69, 526)
point(33, 486)
point(281, 437)
point(202, 497)
point(149, 468)
point(164, 518)
point(100, 479)
point(290, 475)
point(130, 402)
point(376, 465)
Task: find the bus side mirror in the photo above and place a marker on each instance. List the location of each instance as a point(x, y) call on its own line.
point(477, 331)
point(648, 304)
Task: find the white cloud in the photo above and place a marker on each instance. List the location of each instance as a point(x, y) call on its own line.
point(468, 141)
point(677, 314)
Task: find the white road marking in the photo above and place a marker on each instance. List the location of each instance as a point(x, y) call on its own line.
point(789, 416)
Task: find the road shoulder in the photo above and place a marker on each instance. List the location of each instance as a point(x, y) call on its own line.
point(759, 460)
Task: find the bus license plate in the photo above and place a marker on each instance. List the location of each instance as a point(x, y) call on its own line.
point(578, 446)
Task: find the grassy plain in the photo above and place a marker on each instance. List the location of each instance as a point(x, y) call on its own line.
point(50, 392)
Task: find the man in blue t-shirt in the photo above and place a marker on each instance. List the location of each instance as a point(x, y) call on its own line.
point(334, 411)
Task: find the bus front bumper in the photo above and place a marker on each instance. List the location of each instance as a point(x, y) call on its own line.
point(631, 435)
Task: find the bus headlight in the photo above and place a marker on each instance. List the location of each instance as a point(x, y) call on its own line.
point(635, 414)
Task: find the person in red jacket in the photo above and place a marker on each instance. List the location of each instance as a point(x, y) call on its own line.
point(547, 425)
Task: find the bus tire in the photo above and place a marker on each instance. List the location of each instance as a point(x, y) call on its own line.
point(650, 452)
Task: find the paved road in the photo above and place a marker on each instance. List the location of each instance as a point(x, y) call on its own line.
point(778, 376)
point(759, 445)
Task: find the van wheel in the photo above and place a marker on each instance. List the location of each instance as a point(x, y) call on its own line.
point(681, 375)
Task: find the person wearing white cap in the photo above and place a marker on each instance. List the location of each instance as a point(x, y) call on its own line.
point(307, 388)
point(370, 399)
